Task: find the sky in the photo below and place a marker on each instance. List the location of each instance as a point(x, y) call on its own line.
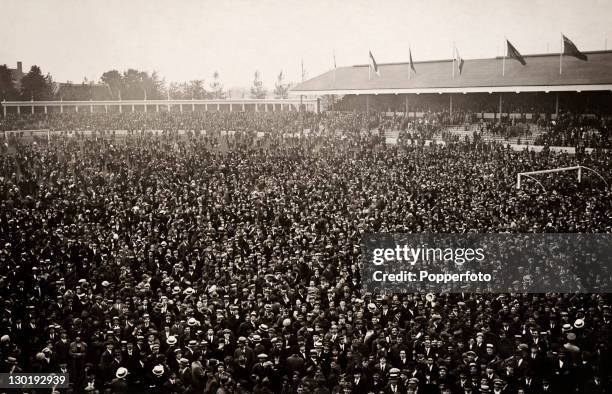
point(189, 39)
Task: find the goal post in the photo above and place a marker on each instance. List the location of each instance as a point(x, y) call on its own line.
point(579, 169)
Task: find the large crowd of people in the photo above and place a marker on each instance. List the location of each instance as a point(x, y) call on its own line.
point(285, 122)
point(218, 263)
point(573, 130)
point(566, 130)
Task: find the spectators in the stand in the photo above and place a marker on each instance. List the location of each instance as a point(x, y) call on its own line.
point(572, 130)
point(566, 130)
point(169, 121)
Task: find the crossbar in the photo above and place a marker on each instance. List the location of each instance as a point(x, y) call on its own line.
point(529, 174)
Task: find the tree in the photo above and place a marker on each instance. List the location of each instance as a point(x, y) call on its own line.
point(154, 86)
point(51, 87)
point(8, 91)
point(134, 84)
point(195, 89)
point(216, 87)
point(281, 89)
point(257, 90)
point(177, 91)
point(113, 80)
point(35, 86)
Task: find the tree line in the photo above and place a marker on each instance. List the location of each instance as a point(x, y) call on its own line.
point(32, 86)
point(131, 84)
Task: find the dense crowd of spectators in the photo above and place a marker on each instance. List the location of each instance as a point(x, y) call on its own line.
point(286, 122)
point(230, 264)
point(567, 130)
point(573, 130)
point(506, 129)
point(540, 103)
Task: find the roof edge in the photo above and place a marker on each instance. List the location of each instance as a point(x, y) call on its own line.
point(480, 58)
point(463, 90)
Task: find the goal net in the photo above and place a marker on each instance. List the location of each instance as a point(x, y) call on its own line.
point(534, 176)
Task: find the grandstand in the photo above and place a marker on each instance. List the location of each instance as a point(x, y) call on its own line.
point(495, 99)
point(480, 87)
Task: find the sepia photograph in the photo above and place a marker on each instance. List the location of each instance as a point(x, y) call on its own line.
point(323, 196)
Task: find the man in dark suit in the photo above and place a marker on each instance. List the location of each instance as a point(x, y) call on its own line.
point(360, 382)
point(562, 372)
point(295, 363)
point(19, 333)
point(403, 362)
point(528, 383)
point(173, 385)
point(244, 350)
point(184, 372)
point(383, 367)
point(61, 348)
point(210, 338)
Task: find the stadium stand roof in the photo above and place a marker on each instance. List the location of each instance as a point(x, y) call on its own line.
point(541, 73)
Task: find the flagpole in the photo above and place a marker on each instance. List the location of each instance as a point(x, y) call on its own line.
point(453, 58)
point(504, 58)
point(561, 56)
point(334, 53)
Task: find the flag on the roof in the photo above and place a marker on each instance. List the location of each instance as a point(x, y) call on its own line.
point(411, 62)
point(459, 61)
point(569, 48)
point(373, 64)
point(513, 53)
